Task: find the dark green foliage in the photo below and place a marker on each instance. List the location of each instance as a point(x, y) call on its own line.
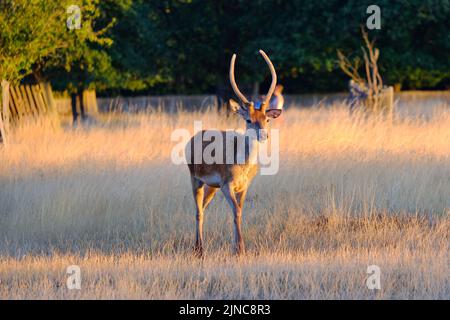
point(184, 46)
point(34, 37)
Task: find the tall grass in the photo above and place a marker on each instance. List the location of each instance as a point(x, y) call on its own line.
point(350, 192)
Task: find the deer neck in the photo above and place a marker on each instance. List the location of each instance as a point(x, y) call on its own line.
point(251, 149)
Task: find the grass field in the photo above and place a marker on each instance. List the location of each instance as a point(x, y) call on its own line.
point(350, 193)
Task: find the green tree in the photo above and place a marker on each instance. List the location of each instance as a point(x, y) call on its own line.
point(184, 46)
point(82, 63)
point(27, 35)
point(34, 33)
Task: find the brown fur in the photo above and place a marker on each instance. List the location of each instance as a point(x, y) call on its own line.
point(234, 178)
point(239, 175)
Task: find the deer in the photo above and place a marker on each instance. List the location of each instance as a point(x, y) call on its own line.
point(233, 179)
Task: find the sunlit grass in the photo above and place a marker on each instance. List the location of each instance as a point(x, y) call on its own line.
point(351, 192)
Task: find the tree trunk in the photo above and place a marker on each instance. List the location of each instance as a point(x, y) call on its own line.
point(81, 101)
point(73, 97)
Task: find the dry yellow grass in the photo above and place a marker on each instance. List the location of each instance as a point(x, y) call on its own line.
point(349, 194)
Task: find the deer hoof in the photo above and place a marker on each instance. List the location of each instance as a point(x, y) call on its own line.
point(240, 250)
point(198, 252)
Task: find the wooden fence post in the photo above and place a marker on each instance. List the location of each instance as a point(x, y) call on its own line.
point(50, 102)
point(390, 102)
point(4, 114)
point(391, 98)
point(20, 105)
point(387, 100)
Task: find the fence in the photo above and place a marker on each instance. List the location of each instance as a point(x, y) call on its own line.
point(167, 103)
point(385, 101)
point(90, 102)
point(26, 102)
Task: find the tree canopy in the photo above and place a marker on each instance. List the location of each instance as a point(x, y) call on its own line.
point(34, 35)
point(184, 46)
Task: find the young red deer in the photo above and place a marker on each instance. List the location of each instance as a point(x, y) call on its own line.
point(232, 178)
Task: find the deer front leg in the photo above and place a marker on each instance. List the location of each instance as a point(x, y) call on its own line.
point(237, 214)
point(198, 190)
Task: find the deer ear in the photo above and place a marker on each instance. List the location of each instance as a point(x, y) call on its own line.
point(273, 113)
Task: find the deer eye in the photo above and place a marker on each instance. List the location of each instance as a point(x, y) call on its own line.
point(268, 120)
point(248, 121)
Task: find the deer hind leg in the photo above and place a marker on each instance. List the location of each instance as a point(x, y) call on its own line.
point(209, 195)
point(240, 197)
point(237, 215)
point(198, 191)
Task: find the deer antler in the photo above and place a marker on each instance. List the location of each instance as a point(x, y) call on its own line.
point(233, 81)
point(274, 79)
point(272, 86)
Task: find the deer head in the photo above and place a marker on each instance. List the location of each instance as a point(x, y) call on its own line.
point(257, 118)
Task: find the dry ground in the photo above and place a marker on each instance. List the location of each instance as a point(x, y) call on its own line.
point(350, 193)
